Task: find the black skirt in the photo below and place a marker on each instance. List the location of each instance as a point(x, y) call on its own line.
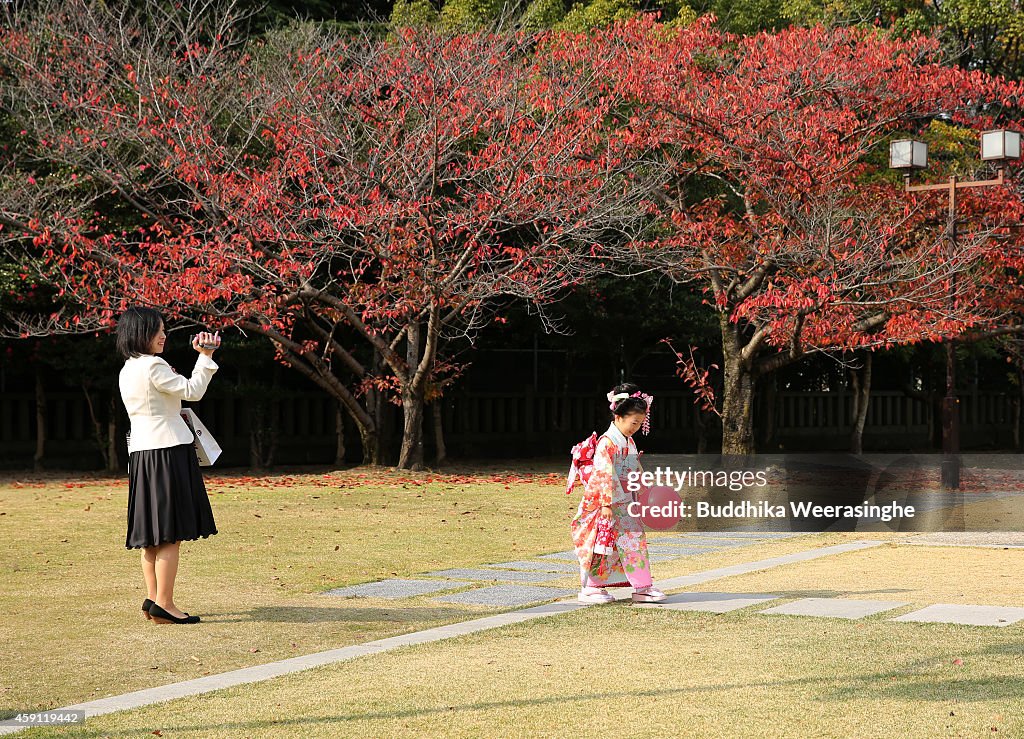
point(167, 499)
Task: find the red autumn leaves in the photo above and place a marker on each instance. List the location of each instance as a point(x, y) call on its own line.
point(349, 197)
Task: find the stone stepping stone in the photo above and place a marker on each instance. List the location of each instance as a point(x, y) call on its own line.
point(951, 613)
point(705, 546)
point(835, 607)
point(488, 575)
point(756, 534)
point(506, 595)
point(570, 556)
point(682, 541)
point(705, 541)
point(653, 557)
point(393, 589)
point(549, 566)
point(665, 552)
point(711, 602)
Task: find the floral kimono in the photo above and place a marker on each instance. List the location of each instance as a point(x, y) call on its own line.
point(627, 562)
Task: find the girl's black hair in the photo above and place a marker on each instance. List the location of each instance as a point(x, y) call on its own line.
point(136, 330)
point(628, 405)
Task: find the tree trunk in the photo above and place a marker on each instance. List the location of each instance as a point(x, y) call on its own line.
point(97, 428)
point(375, 408)
point(861, 381)
point(768, 405)
point(316, 369)
point(37, 459)
point(411, 456)
point(738, 401)
point(442, 452)
point(371, 445)
point(339, 426)
point(113, 463)
point(256, 430)
point(263, 433)
point(702, 431)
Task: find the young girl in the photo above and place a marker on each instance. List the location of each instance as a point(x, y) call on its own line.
point(604, 508)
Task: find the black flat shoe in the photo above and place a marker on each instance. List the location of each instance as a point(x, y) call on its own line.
point(145, 608)
point(160, 616)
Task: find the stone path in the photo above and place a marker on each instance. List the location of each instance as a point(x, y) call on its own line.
point(711, 602)
point(545, 568)
point(947, 613)
point(394, 589)
point(505, 595)
point(488, 575)
point(549, 566)
point(258, 673)
point(835, 607)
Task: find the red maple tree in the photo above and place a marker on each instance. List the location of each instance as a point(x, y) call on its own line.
point(355, 200)
point(776, 197)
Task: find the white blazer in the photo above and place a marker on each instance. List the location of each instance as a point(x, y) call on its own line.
point(152, 393)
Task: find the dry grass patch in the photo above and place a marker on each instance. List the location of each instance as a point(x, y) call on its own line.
point(622, 671)
point(73, 628)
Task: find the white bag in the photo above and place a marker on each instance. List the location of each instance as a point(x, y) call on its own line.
point(207, 448)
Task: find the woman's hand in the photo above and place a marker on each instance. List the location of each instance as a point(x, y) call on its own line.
point(206, 343)
point(606, 511)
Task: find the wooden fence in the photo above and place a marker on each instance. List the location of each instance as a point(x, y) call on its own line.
point(516, 424)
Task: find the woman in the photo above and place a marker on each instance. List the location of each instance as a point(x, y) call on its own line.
point(610, 543)
point(167, 501)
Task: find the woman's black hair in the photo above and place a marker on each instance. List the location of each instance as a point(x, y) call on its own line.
point(628, 405)
point(136, 330)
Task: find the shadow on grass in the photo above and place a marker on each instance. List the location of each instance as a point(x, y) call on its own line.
point(897, 685)
point(385, 715)
point(303, 614)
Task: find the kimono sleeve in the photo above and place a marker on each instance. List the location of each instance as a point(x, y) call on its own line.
point(601, 486)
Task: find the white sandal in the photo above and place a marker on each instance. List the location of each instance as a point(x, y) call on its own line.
point(648, 595)
point(595, 595)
